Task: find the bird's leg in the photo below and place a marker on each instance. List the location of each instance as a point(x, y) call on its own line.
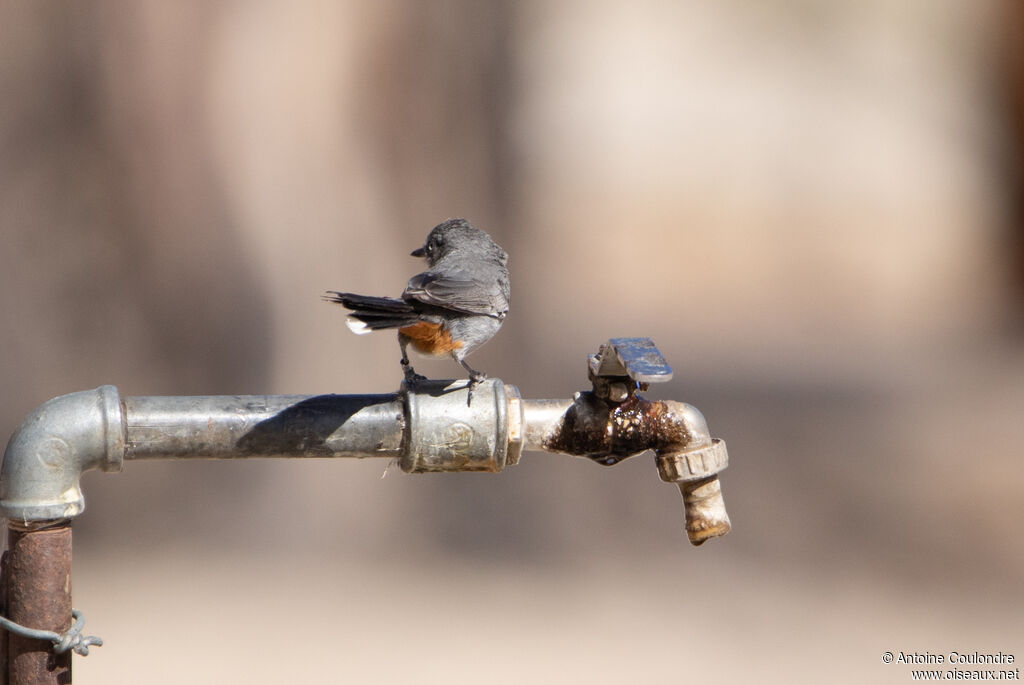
point(411, 377)
point(475, 379)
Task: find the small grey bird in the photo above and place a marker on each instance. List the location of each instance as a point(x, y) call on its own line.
point(452, 308)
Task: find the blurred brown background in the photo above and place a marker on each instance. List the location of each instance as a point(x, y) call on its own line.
point(813, 208)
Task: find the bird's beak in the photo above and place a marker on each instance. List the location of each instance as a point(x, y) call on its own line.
point(419, 252)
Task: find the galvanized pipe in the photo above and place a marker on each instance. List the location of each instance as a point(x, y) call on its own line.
point(244, 426)
point(70, 434)
point(37, 577)
point(541, 419)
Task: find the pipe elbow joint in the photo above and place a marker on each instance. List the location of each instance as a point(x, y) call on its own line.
point(46, 456)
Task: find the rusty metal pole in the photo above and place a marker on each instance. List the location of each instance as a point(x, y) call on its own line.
point(37, 579)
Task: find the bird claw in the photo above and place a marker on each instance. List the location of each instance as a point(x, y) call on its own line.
point(475, 379)
point(411, 377)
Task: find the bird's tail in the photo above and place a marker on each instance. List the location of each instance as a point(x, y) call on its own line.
point(371, 313)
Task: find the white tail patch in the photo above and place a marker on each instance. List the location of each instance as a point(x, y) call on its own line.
point(356, 326)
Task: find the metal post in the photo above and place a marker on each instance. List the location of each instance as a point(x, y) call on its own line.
point(37, 577)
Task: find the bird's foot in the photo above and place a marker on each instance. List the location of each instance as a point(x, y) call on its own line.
point(411, 377)
point(475, 379)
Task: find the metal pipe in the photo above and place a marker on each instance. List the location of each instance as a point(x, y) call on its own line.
point(541, 418)
point(244, 426)
point(46, 456)
point(37, 577)
point(439, 427)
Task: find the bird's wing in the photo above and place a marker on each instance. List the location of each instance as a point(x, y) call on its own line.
point(457, 291)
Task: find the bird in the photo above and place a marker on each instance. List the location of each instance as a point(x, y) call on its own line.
point(452, 308)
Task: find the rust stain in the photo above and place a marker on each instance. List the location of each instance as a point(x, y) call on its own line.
point(608, 432)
